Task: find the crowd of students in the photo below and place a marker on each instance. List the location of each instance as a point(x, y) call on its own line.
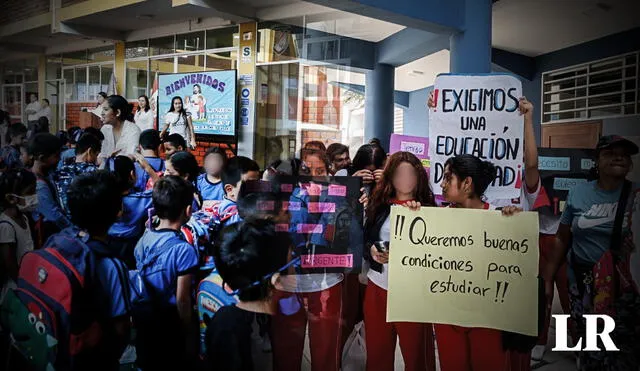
point(118, 213)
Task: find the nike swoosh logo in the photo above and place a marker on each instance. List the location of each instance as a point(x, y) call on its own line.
point(586, 223)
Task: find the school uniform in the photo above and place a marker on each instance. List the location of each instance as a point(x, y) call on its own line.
point(161, 341)
point(128, 229)
point(142, 177)
point(228, 211)
point(63, 178)
point(208, 190)
point(11, 157)
point(49, 216)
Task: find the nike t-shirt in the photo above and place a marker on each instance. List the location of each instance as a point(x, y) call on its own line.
point(590, 211)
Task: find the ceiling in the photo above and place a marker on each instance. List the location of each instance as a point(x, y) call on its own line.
point(535, 27)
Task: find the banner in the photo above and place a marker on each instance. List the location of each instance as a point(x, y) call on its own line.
point(562, 169)
point(478, 115)
point(210, 98)
point(473, 268)
point(324, 219)
point(419, 146)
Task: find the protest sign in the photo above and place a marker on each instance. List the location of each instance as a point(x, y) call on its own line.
point(560, 170)
point(323, 218)
point(210, 98)
point(419, 146)
point(478, 115)
point(465, 267)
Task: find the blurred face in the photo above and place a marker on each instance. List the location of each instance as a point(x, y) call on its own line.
point(177, 105)
point(213, 164)
point(315, 166)
point(19, 140)
point(100, 99)
point(341, 161)
point(142, 103)
point(170, 170)
point(405, 179)
point(109, 116)
point(32, 98)
point(452, 187)
point(44, 103)
point(170, 149)
point(614, 162)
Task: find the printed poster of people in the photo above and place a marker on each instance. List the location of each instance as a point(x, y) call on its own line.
point(210, 98)
point(322, 215)
point(478, 115)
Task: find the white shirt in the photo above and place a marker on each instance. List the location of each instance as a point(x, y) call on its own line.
point(382, 279)
point(46, 112)
point(33, 111)
point(177, 124)
point(127, 143)
point(144, 119)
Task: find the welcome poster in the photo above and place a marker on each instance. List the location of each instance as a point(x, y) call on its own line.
point(209, 97)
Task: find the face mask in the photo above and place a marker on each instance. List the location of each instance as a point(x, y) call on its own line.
point(30, 203)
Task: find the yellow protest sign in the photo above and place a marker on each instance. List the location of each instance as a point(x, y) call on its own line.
point(474, 268)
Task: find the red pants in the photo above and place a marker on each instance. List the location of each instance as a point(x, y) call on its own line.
point(470, 349)
point(547, 244)
point(416, 339)
point(323, 311)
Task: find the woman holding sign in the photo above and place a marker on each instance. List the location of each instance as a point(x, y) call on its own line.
point(595, 230)
point(465, 180)
point(404, 182)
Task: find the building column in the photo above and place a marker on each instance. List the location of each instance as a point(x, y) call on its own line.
point(471, 49)
point(379, 104)
point(120, 68)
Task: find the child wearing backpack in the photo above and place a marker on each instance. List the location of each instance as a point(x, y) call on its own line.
point(18, 198)
point(209, 184)
point(73, 293)
point(129, 227)
point(249, 257)
point(10, 154)
point(166, 266)
point(239, 169)
point(149, 147)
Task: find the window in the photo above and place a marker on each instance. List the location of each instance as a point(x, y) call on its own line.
point(608, 87)
point(162, 45)
point(398, 120)
point(137, 78)
point(190, 42)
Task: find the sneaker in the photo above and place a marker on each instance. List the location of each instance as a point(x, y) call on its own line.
point(537, 353)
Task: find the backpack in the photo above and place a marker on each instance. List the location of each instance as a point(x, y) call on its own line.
point(52, 315)
point(211, 297)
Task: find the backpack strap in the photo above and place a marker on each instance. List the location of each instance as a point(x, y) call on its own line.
point(616, 236)
point(15, 233)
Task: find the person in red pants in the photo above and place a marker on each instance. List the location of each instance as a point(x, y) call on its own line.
point(404, 182)
point(465, 180)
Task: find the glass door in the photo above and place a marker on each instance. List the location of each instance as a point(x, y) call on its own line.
point(12, 101)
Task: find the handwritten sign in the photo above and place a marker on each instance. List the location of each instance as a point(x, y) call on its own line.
point(478, 115)
point(419, 146)
point(323, 215)
point(464, 267)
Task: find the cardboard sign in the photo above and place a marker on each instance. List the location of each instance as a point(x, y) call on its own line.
point(419, 146)
point(473, 268)
point(210, 98)
point(323, 217)
point(478, 115)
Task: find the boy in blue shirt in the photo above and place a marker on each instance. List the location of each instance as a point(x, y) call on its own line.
point(87, 150)
point(88, 193)
point(149, 146)
point(239, 169)
point(174, 143)
point(68, 153)
point(166, 328)
point(129, 227)
point(209, 184)
point(10, 154)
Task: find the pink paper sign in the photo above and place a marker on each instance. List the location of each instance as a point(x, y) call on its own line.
point(321, 207)
point(327, 261)
point(337, 190)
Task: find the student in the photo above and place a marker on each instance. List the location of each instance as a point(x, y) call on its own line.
point(149, 147)
point(209, 184)
point(166, 262)
point(144, 115)
point(465, 180)
point(185, 165)
point(174, 143)
point(16, 135)
point(315, 145)
point(25, 157)
point(178, 121)
point(404, 181)
point(99, 191)
point(18, 199)
point(249, 258)
point(338, 155)
point(49, 216)
point(87, 150)
point(129, 227)
point(367, 164)
point(73, 134)
point(239, 169)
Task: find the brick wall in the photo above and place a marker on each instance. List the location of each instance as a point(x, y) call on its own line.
point(73, 119)
point(324, 109)
point(17, 10)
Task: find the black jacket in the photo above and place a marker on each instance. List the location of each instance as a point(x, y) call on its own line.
point(372, 234)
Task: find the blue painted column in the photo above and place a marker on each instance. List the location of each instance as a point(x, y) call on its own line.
point(379, 104)
point(471, 49)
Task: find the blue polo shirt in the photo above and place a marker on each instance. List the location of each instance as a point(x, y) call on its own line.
point(168, 257)
point(142, 177)
point(113, 281)
point(208, 190)
point(229, 208)
point(135, 207)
